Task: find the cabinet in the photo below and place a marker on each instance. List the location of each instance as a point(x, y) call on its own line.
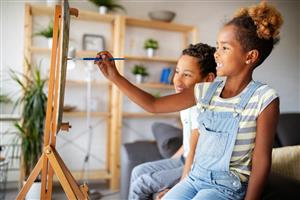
point(108, 99)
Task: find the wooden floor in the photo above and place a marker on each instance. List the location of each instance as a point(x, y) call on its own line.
point(58, 193)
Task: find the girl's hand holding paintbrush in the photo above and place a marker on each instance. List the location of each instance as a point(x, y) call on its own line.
point(107, 66)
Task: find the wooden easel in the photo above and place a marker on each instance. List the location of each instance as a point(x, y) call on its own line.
point(50, 162)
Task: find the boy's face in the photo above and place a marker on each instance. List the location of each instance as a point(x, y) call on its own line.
point(187, 73)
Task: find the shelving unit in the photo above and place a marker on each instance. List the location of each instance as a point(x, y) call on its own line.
point(115, 113)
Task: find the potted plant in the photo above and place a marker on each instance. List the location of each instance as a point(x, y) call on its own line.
point(107, 5)
point(47, 33)
point(33, 112)
point(151, 45)
point(140, 72)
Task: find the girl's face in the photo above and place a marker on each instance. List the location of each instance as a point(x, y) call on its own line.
point(229, 55)
point(187, 73)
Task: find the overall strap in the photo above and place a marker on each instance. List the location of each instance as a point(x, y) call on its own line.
point(210, 92)
point(254, 85)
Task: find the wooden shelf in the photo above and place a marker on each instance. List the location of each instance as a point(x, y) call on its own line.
point(83, 114)
point(153, 59)
point(91, 175)
point(158, 25)
point(40, 50)
point(94, 16)
point(9, 117)
point(41, 10)
point(79, 53)
point(84, 53)
point(82, 82)
point(149, 115)
point(156, 86)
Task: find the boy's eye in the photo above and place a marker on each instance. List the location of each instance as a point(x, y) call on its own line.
point(224, 48)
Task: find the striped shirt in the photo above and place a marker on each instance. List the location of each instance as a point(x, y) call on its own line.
point(242, 153)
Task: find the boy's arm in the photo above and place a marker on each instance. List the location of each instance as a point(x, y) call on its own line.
point(171, 103)
point(190, 158)
point(178, 153)
point(262, 155)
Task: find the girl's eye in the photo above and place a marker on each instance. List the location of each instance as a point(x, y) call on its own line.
point(187, 75)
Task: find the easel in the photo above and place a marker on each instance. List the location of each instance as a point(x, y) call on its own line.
point(50, 162)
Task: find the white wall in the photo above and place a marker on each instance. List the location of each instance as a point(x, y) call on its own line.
point(12, 32)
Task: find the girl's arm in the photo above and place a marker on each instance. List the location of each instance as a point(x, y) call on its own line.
point(191, 154)
point(262, 155)
point(148, 102)
point(178, 153)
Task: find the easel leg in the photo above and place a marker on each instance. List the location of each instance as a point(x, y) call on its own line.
point(84, 189)
point(35, 172)
point(66, 179)
point(46, 188)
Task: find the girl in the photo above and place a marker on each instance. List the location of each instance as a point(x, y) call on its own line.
point(237, 119)
point(197, 64)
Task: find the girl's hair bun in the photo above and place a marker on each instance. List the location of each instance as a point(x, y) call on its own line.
point(266, 17)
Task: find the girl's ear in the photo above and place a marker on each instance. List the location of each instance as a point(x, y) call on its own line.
point(210, 77)
point(252, 57)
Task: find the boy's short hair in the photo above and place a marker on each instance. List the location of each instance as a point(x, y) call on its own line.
point(205, 55)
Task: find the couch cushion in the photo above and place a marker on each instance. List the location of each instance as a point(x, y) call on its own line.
point(288, 129)
point(141, 151)
point(286, 161)
point(168, 138)
point(280, 187)
point(133, 154)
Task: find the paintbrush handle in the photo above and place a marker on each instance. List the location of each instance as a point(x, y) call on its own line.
point(95, 59)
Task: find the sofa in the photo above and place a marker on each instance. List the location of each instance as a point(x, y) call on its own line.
point(169, 138)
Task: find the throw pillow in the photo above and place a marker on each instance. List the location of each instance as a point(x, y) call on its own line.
point(286, 161)
point(168, 138)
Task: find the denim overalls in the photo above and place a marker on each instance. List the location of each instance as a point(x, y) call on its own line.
point(210, 177)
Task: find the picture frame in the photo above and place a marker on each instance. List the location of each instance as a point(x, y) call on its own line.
point(92, 42)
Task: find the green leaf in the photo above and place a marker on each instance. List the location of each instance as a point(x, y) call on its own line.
point(110, 4)
point(140, 69)
point(151, 43)
point(33, 103)
point(46, 32)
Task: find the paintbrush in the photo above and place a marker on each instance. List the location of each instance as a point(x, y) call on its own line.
point(74, 59)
